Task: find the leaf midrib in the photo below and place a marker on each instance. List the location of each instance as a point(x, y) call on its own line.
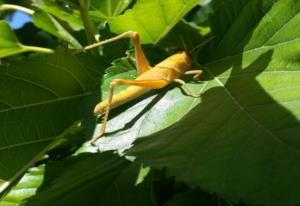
point(46, 102)
point(241, 108)
point(25, 143)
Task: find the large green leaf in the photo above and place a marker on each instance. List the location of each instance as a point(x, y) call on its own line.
point(152, 19)
point(138, 118)
point(242, 141)
point(9, 44)
point(241, 138)
point(93, 179)
point(40, 99)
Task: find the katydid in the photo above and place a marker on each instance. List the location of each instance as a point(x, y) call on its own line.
point(149, 78)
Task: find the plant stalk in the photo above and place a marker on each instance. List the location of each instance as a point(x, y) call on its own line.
point(88, 26)
point(5, 7)
point(38, 49)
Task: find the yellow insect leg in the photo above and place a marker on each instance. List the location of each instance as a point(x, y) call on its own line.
point(186, 89)
point(196, 73)
point(152, 84)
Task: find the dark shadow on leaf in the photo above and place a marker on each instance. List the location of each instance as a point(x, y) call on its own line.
point(237, 138)
point(138, 116)
point(93, 179)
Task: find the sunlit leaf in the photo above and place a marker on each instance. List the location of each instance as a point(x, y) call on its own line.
point(152, 19)
point(109, 8)
point(241, 141)
point(26, 188)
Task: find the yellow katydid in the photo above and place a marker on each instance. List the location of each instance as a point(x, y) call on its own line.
point(166, 72)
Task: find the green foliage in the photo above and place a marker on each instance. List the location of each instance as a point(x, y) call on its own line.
point(71, 17)
point(152, 19)
point(10, 45)
point(109, 177)
point(40, 98)
point(26, 188)
point(239, 140)
point(50, 24)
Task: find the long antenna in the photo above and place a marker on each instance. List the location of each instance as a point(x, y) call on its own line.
point(202, 44)
point(183, 43)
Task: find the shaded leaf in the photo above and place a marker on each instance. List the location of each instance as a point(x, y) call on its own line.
point(48, 23)
point(191, 198)
point(70, 16)
point(38, 103)
point(93, 179)
point(152, 19)
point(241, 141)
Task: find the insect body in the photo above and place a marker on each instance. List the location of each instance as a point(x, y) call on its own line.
point(161, 75)
point(155, 78)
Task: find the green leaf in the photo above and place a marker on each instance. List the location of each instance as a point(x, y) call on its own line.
point(93, 179)
point(46, 22)
point(239, 139)
point(109, 8)
point(70, 16)
point(9, 44)
point(26, 187)
point(138, 118)
point(39, 100)
point(191, 198)
point(152, 19)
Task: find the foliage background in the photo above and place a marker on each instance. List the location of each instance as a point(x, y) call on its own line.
point(238, 144)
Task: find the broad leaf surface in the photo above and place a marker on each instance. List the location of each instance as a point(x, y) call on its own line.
point(241, 139)
point(50, 24)
point(143, 116)
point(41, 98)
point(93, 179)
point(152, 19)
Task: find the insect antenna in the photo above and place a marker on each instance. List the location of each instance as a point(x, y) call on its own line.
point(183, 43)
point(201, 44)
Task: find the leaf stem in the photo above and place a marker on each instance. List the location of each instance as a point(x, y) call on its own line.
point(38, 49)
point(84, 13)
point(5, 7)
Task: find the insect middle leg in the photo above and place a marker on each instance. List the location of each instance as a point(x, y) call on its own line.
point(142, 64)
point(150, 84)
